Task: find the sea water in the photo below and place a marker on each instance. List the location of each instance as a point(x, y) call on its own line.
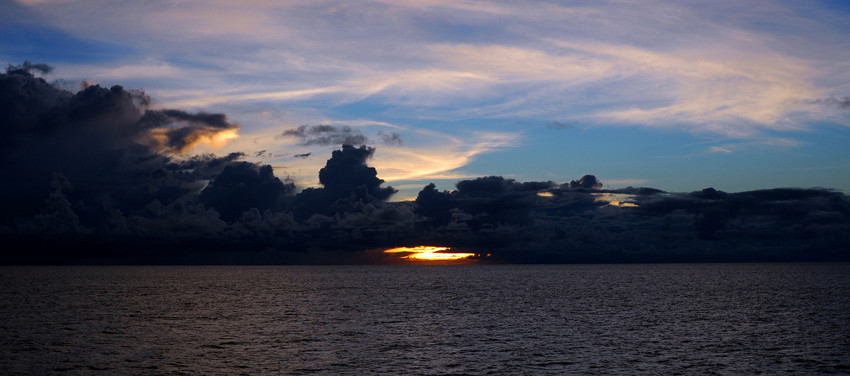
point(724, 319)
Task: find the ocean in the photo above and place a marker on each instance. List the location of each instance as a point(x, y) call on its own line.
point(720, 319)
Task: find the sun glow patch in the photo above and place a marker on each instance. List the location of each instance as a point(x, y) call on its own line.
point(616, 199)
point(430, 253)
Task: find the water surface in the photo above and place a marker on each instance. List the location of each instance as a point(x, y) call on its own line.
point(560, 319)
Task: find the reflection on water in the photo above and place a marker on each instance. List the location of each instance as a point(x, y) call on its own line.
point(475, 319)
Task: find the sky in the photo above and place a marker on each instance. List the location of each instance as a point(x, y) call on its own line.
point(678, 96)
point(325, 132)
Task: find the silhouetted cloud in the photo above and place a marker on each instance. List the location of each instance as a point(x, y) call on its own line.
point(346, 180)
point(326, 135)
point(586, 181)
point(196, 128)
point(97, 139)
point(28, 67)
point(244, 186)
point(94, 176)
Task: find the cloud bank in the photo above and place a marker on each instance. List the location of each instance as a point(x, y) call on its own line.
point(97, 176)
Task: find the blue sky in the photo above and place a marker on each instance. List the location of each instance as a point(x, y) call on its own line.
point(676, 95)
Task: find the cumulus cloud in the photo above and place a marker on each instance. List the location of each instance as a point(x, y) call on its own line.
point(244, 186)
point(346, 179)
point(87, 180)
point(586, 181)
point(99, 139)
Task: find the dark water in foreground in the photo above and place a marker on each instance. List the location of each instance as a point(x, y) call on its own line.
point(589, 319)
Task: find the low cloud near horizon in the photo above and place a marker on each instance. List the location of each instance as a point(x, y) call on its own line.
point(99, 176)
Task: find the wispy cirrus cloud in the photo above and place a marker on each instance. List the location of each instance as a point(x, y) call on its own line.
point(665, 64)
point(738, 72)
point(424, 154)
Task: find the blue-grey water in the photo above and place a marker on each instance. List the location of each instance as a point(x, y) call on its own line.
point(724, 319)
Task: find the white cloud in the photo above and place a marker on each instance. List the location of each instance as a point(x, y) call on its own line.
point(734, 70)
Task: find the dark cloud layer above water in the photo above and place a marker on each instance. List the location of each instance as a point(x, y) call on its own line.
point(97, 176)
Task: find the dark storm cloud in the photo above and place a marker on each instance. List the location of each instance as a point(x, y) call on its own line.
point(177, 131)
point(243, 186)
point(346, 179)
point(161, 118)
point(490, 200)
point(96, 138)
point(586, 181)
point(326, 135)
point(91, 176)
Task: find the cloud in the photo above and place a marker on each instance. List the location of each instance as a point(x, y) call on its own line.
point(123, 198)
point(842, 103)
point(587, 182)
point(346, 171)
point(27, 68)
point(346, 182)
point(326, 135)
point(442, 161)
point(683, 65)
point(199, 128)
point(719, 149)
point(426, 154)
point(559, 125)
point(391, 138)
point(133, 183)
point(244, 186)
point(99, 139)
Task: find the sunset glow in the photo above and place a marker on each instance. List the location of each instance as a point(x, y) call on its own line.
point(615, 199)
point(429, 253)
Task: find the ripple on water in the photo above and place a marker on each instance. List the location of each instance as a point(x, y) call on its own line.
point(621, 319)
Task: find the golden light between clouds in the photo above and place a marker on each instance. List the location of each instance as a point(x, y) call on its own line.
point(430, 253)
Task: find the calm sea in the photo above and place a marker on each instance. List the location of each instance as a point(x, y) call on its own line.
point(724, 319)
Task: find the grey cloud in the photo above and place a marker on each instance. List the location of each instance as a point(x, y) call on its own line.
point(559, 125)
point(346, 179)
point(28, 67)
point(89, 186)
point(326, 135)
point(587, 182)
point(842, 103)
point(391, 139)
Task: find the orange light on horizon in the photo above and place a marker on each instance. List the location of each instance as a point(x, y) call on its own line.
point(430, 253)
point(615, 199)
